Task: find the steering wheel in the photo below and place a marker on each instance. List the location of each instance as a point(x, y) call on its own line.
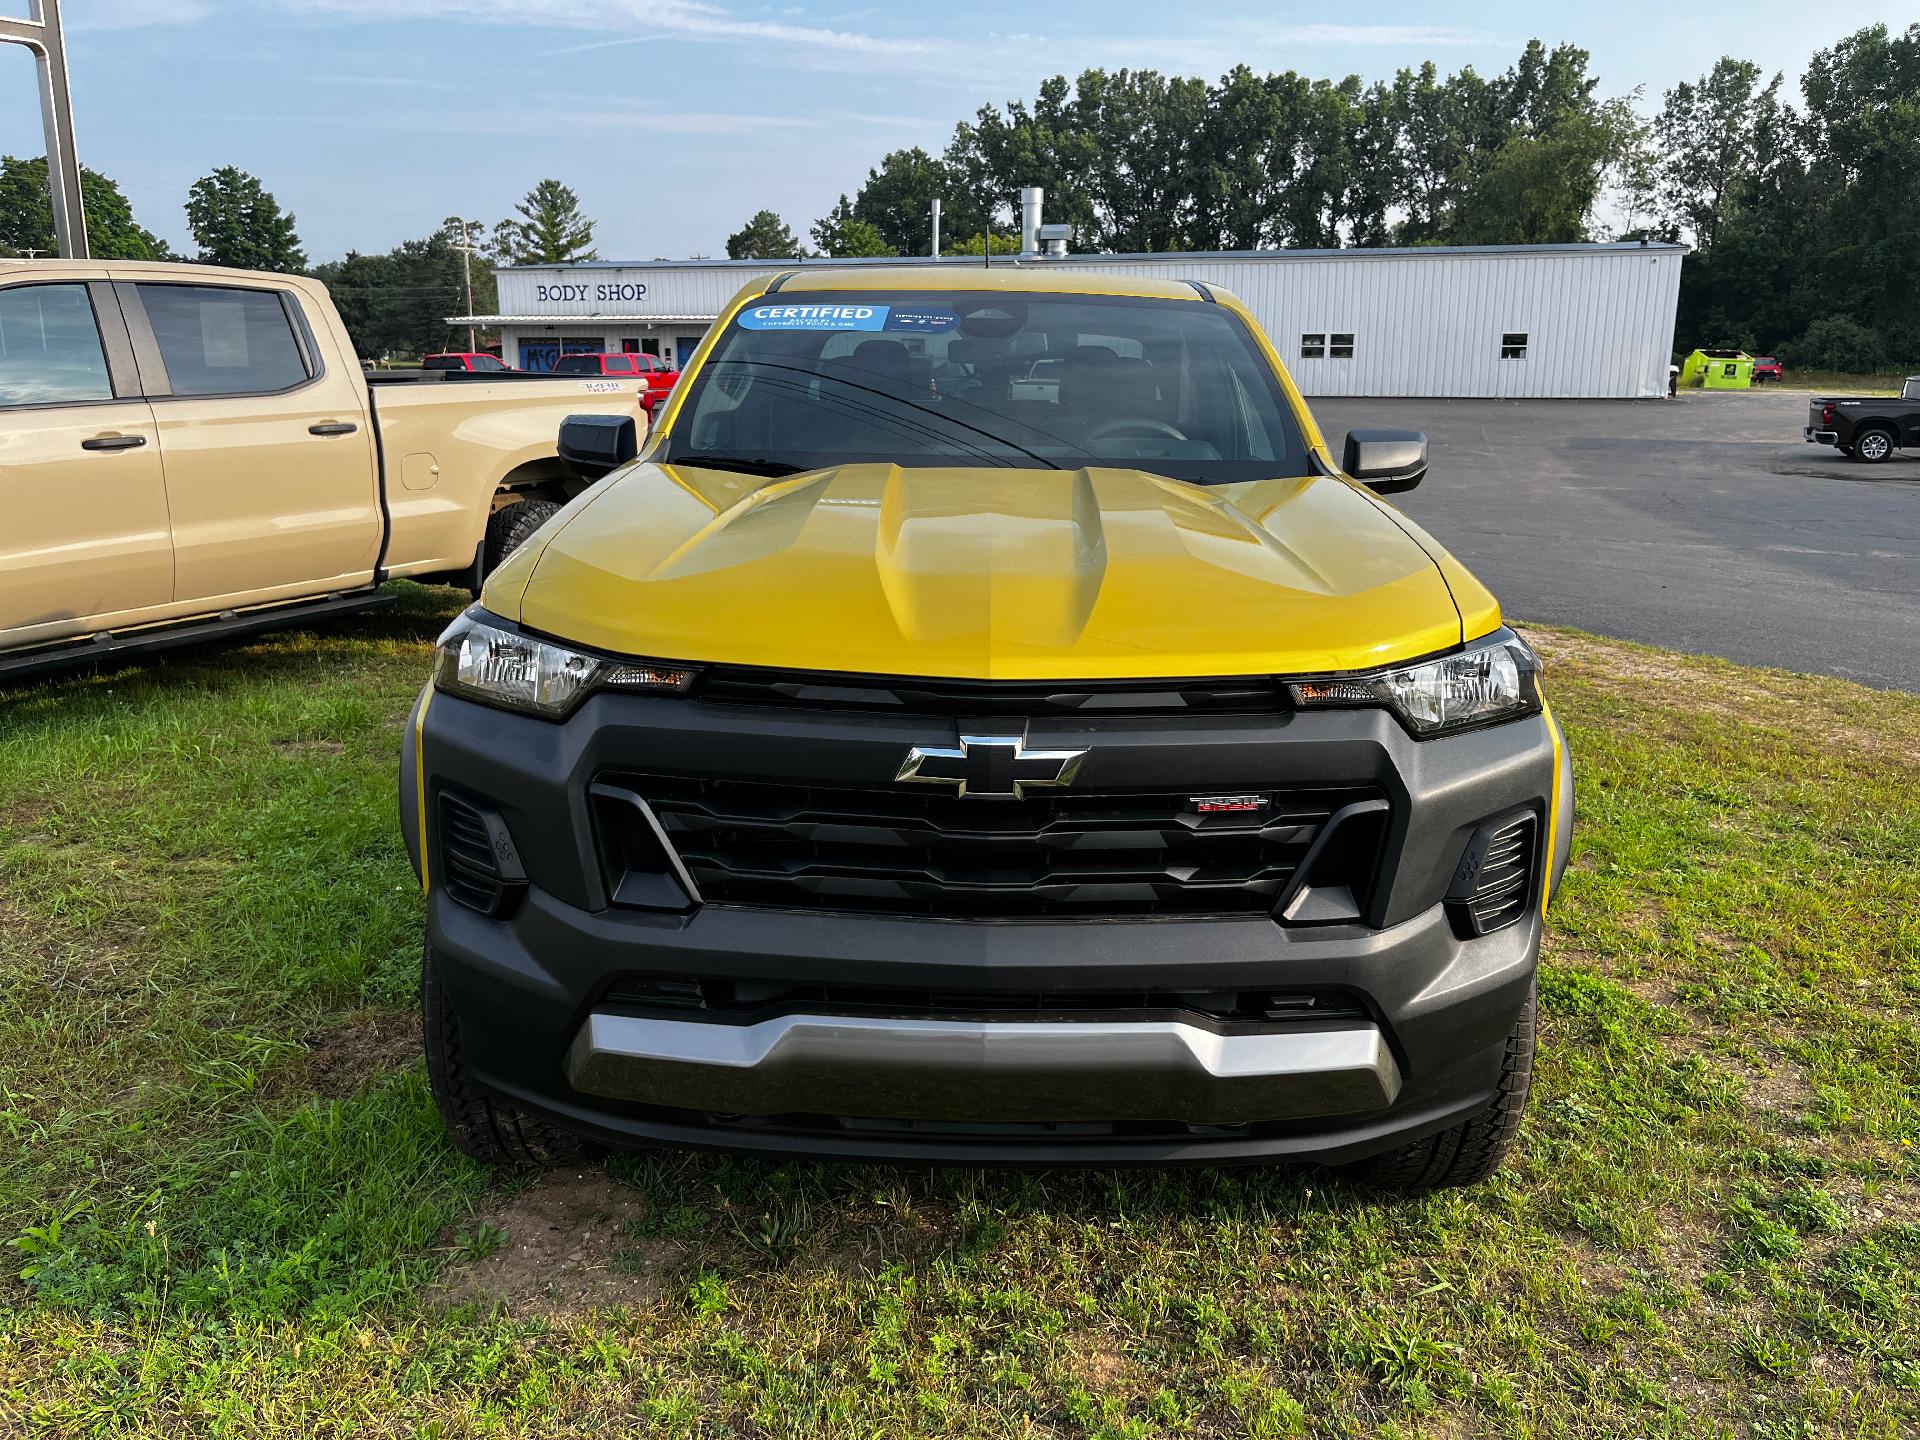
point(1137, 425)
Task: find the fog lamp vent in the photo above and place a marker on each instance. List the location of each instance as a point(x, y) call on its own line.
point(479, 866)
point(1494, 877)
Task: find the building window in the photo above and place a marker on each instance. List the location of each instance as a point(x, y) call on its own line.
point(1340, 347)
point(1313, 347)
point(1513, 345)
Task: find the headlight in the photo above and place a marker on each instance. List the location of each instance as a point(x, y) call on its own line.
point(497, 666)
point(1495, 679)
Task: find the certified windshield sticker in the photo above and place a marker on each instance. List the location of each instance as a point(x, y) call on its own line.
point(814, 317)
point(927, 322)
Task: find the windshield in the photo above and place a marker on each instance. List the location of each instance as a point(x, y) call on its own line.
point(577, 365)
point(803, 381)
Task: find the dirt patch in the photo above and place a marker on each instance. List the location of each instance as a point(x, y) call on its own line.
point(568, 1248)
point(310, 747)
point(22, 816)
point(1102, 1365)
point(361, 1048)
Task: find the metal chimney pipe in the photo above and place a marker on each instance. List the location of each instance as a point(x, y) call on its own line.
point(1031, 199)
point(935, 252)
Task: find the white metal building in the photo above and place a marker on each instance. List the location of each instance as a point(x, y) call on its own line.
point(1506, 321)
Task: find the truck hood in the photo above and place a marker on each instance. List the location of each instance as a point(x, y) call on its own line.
point(976, 573)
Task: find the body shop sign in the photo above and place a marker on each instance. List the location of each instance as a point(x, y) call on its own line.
point(574, 294)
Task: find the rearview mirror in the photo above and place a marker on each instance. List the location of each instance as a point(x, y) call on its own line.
point(1386, 461)
point(596, 445)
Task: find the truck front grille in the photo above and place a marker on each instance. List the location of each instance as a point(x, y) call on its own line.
point(916, 853)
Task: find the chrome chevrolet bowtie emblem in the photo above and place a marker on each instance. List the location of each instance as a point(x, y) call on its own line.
point(992, 767)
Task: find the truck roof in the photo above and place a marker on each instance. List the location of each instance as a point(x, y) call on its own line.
point(177, 270)
point(1008, 279)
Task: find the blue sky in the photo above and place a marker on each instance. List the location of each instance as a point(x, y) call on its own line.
point(675, 119)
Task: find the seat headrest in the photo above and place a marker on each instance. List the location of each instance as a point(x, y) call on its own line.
point(1094, 378)
point(882, 357)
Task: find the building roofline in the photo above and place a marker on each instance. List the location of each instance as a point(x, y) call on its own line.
point(1349, 252)
point(594, 315)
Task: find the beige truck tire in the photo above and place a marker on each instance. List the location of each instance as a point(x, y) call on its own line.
point(510, 525)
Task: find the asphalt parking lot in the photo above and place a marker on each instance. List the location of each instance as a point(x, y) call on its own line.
point(1704, 523)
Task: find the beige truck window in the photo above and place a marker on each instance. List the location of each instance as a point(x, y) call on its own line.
point(50, 347)
point(223, 340)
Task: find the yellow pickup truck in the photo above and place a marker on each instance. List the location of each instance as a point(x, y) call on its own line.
point(905, 759)
point(188, 452)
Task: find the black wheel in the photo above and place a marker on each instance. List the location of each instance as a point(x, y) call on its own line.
point(1469, 1152)
point(1872, 446)
point(510, 525)
point(491, 1133)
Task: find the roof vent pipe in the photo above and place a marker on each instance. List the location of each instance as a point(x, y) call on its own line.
point(1031, 198)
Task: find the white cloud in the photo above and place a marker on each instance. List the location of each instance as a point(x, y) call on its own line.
point(132, 14)
point(682, 19)
point(980, 64)
point(1367, 35)
point(609, 119)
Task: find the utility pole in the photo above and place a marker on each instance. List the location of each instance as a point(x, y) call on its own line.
point(466, 247)
point(40, 33)
point(936, 228)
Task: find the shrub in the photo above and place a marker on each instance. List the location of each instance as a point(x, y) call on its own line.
point(1833, 342)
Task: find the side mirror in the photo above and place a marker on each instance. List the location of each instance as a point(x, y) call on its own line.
point(1386, 461)
point(596, 445)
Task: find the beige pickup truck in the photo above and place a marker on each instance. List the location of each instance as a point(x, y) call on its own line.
point(188, 452)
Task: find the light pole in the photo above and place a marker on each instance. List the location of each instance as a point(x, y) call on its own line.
point(466, 248)
point(40, 33)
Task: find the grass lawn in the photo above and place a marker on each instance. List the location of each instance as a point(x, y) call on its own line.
point(1838, 382)
point(232, 1211)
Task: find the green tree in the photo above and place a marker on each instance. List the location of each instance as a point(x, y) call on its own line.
point(399, 303)
point(1822, 223)
point(844, 235)
point(1542, 189)
point(1004, 243)
point(897, 200)
point(1708, 135)
point(363, 293)
point(550, 229)
point(26, 214)
point(764, 237)
point(236, 221)
point(1521, 158)
point(1861, 140)
point(1039, 144)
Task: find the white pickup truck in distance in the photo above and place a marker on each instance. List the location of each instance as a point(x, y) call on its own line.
point(187, 452)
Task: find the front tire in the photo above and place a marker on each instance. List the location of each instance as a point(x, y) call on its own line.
point(1872, 446)
point(510, 525)
point(1467, 1153)
point(481, 1128)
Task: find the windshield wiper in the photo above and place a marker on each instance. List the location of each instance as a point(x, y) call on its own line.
point(744, 464)
point(813, 374)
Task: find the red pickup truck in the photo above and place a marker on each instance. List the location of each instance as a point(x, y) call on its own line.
point(658, 373)
point(477, 360)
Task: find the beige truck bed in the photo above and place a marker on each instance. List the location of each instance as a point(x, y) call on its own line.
point(186, 445)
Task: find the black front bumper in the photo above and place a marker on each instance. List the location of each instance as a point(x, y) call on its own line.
point(527, 987)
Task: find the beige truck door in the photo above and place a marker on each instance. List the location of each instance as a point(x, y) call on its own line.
point(84, 541)
point(270, 465)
